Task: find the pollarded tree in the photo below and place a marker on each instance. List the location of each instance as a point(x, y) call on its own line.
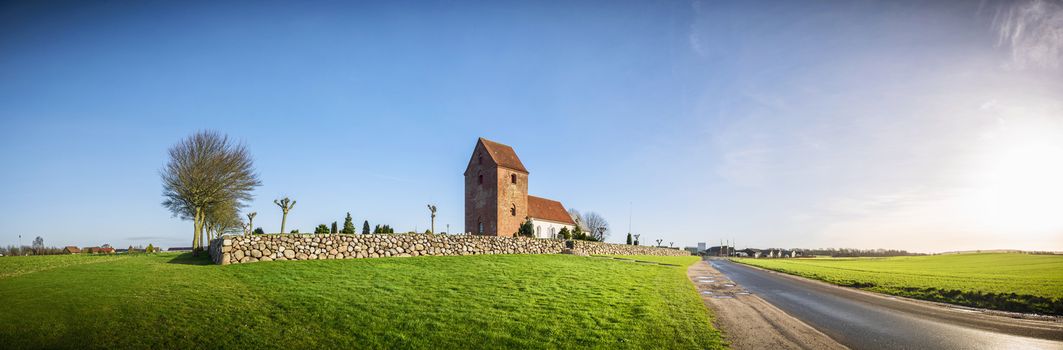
point(432, 208)
point(205, 170)
point(286, 205)
point(365, 228)
point(251, 221)
point(348, 225)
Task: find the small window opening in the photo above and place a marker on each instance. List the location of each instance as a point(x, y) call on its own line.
point(513, 178)
point(481, 179)
point(513, 210)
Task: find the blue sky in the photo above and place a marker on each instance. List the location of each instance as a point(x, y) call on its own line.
point(927, 127)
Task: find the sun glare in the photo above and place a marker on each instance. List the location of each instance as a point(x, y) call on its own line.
point(1020, 185)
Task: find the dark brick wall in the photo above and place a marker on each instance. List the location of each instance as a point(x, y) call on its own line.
point(481, 200)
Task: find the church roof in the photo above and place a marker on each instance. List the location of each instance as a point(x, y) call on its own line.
point(503, 155)
point(546, 209)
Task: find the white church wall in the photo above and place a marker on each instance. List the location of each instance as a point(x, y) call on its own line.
point(548, 229)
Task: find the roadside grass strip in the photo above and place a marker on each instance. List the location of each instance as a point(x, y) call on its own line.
point(1001, 281)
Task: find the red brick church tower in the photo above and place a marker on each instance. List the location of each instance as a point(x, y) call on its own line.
point(496, 190)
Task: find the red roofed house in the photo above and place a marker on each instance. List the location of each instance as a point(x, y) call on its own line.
point(71, 250)
point(497, 200)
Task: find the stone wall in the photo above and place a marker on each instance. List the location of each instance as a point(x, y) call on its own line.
point(243, 249)
point(600, 248)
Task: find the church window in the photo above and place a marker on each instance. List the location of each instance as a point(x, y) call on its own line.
point(538, 231)
point(480, 159)
point(481, 179)
point(513, 210)
point(513, 178)
point(480, 227)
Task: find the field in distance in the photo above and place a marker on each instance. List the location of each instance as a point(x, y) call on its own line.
point(1010, 282)
point(486, 301)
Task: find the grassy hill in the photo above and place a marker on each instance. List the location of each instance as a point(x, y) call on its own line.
point(1013, 282)
point(495, 301)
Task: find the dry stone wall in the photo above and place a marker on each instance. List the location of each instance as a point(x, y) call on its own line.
point(243, 249)
point(601, 248)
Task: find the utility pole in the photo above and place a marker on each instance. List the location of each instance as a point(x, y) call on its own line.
point(629, 211)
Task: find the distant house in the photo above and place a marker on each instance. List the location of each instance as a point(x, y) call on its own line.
point(98, 250)
point(71, 250)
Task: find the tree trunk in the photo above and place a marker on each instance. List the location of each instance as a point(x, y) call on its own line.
point(198, 231)
point(284, 218)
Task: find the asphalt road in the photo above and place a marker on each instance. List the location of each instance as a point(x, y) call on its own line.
point(862, 320)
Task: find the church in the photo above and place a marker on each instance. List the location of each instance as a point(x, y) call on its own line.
point(497, 200)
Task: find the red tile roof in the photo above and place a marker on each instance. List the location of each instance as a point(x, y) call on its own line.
point(546, 209)
point(71, 249)
point(503, 155)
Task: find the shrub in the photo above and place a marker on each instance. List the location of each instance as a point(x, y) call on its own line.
point(321, 229)
point(348, 225)
point(295, 231)
point(259, 231)
point(365, 227)
point(565, 233)
point(335, 228)
point(526, 229)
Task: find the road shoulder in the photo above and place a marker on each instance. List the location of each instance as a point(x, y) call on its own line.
point(748, 321)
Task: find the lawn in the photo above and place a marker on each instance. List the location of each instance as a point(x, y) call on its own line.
point(1003, 281)
point(493, 301)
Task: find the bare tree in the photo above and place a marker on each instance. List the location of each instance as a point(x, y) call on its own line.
point(286, 205)
point(599, 228)
point(206, 171)
point(38, 245)
point(222, 219)
point(432, 208)
point(577, 218)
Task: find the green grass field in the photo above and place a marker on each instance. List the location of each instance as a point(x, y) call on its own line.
point(494, 301)
point(1012, 282)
